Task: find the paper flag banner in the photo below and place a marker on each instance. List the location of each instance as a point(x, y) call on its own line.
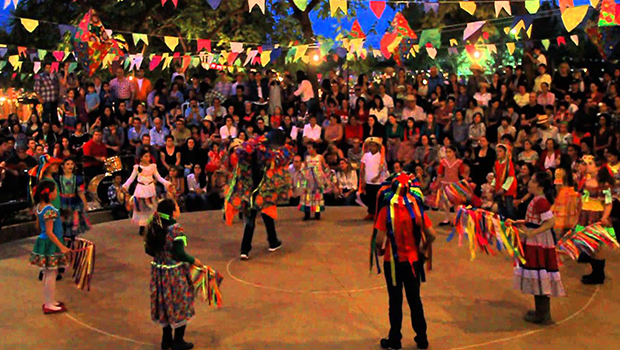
point(336, 5)
point(137, 37)
point(231, 58)
point(195, 62)
point(594, 3)
point(42, 54)
point(301, 4)
point(575, 39)
point(236, 47)
point(251, 54)
point(37, 67)
point(214, 3)
point(301, 52)
point(401, 26)
point(432, 52)
point(175, 2)
point(204, 44)
point(155, 61)
point(33, 56)
point(432, 36)
point(8, 2)
point(387, 40)
point(573, 16)
point(265, 57)
point(468, 6)
point(471, 28)
point(3, 51)
point(171, 42)
point(21, 51)
point(453, 42)
point(63, 28)
point(356, 31)
point(187, 59)
point(492, 48)
point(510, 47)
point(564, 4)
point(377, 8)
point(471, 49)
point(2, 65)
point(259, 3)
point(72, 66)
point(532, 6)
point(136, 61)
point(453, 51)
point(167, 62)
point(502, 5)
point(29, 24)
point(608, 14)
point(431, 6)
point(546, 43)
point(561, 41)
point(58, 55)
point(15, 62)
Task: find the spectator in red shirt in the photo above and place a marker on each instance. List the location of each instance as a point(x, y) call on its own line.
point(95, 154)
point(353, 130)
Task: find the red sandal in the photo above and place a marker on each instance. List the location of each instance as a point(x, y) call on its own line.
point(47, 311)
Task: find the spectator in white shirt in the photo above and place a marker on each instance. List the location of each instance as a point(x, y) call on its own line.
point(297, 179)
point(379, 110)
point(347, 183)
point(546, 97)
point(482, 96)
point(305, 89)
point(217, 111)
point(388, 101)
point(228, 130)
point(412, 110)
point(197, 186)
point(312, 131)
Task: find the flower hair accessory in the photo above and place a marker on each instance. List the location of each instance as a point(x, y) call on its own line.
point(45, 191)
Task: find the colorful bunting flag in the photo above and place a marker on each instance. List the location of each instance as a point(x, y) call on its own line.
point(29, 24)
point(8, 2)
point(564, 4)
point(356, 31)
point(300, 52)
point(155, 61)
point(259, 3)
point(594, 3)
point(471, 28)
point(532, 6)
point(468, 6)
point(377, 7)
point(175, 2)
point(2, 65)
point(546, 43)
point(15, 62)
point(573, 16)
point(171, 42)
point(453, 51)
point(204, 44)
point(561, 41)
point(575, 39)
point(431, 6)
point(401, 26)
point(492, 48)
point(63, 28)
point(336, 5)
point(3, 50)
point(265, 57)
point(387, 41)
point(432, 52)
point(301, 4)
point(431, 36)
point(37, 67)
point(502, 5)
point(609, 14)
point(510, 47)
point(21, 51)
point(72, 67)
point(58, 55)
point(236, 47)
point(214, 3)
point(137, 37)
point(453, 42)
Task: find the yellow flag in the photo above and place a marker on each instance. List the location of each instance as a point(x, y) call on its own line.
point(453, 42)
point(532, 6)
point(172, 42)
point(594, 3)
point(412, 52)
point(468, 6)
point(265, 57)
point(167, 62)
point(573, 16)
point(511, 47)
point(300, 52)
point(30, 24)
point(335, 5)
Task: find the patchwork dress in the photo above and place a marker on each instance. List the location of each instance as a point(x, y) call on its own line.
point(172, 291)
point(75, 220)
point(314, 185)
point(450, 191)
point(46, 254)
point(540, 275)
point(144, 197)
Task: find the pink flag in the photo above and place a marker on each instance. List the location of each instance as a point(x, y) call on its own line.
point(155, 61)
point(204, 44)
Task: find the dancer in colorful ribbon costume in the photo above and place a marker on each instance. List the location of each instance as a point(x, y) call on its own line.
point(451, 191)
point(144, 197)
point(505, 181)
point(260, 182)
point(539, 274)
point(314, 183)
point(172, 289)
point(566, 205)
point(403, 234)
point(596, 208)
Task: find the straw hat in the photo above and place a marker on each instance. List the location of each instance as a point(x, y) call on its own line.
point(476, 66)
point(410, 98)
point(234, 144)
point(373, 139)
point(542, 119)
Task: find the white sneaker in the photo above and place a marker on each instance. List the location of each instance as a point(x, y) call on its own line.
point(244, 256)
point(276, 247)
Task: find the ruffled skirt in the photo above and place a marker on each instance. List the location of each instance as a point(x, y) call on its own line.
point(172, 294)
point(47, 255)
point(540, 275)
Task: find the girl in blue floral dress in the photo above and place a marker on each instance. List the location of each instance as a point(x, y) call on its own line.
point(172, 290)
point(49, 252)
point(72, 202)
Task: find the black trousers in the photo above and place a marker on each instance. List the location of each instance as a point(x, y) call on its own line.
point(405, 278)
point(250, 225)
point(370, 198)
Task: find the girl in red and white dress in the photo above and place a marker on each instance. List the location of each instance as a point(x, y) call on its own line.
point(540, 275)
point(451, 191)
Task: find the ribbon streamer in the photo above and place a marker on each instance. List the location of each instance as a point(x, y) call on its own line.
point(206, 284)
point(586, 240)
point(82, 259)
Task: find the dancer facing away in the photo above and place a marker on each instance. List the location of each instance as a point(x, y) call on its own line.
point(409, 236)
point(372, 173)
point(144, 197)
point(49, 252)
point(314, 184)
point(172, 290)
point(72, 202)
point(259, 182)
point(540, 274)
point(596, 206)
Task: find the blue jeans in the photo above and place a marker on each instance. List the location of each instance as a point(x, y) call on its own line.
point(196, 202)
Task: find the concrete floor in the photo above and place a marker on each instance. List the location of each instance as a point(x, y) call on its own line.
point(315, 293)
